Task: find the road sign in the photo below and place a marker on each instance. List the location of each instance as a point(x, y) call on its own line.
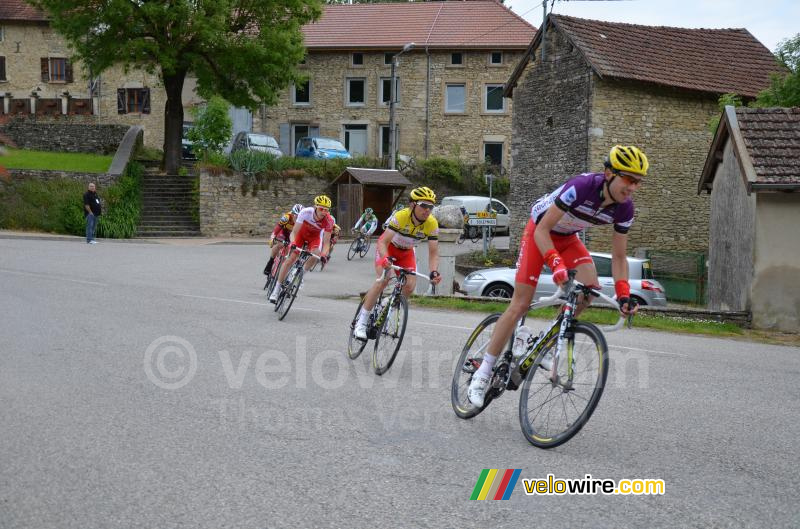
point(482, 222)
point(486, 215)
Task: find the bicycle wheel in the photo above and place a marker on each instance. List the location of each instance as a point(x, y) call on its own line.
point(461, 237)
point(364, 247)
point(273, 276)
point(353, 250)
point(468, 363)
point(390, 333)
point(551, 413)
point(474, 233)
point(289, 294)
point(354, 345)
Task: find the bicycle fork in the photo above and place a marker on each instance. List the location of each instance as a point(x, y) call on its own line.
point(564, 335)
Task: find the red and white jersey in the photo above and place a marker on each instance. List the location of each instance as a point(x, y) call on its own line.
point(310, 225)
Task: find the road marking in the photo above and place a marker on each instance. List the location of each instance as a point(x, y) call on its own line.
point(223, 299)
point(665, 353)
point(50, 276)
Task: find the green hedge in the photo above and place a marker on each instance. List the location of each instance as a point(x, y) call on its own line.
point(56, 206)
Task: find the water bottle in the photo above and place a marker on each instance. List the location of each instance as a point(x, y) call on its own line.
point(523, 341)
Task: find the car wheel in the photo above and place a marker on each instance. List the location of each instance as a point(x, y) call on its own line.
point(639, 301)
point(498, 290)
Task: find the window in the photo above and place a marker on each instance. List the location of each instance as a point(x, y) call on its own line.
point(56, 70)
point(356, 92)
point(499, 207)
point(355, 139)
point(299, 131)
point(493, 100)
point(133, 101)
point(358, 59)
point(301, 94)
point(2, 33)
point(602, 265)
point(455, 98)
point(387, 58)
point(386, 92)
point(3, 69)
point(493, 153)
point(496, 58)
point(384, 141)
point(457, 59)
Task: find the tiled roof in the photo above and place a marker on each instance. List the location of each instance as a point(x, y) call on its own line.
point(381, 177)
point(767, 145)
point(483, 24)
point(718, 61)
point(20, 10)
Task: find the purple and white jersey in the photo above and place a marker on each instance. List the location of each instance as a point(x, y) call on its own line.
point(580, 199)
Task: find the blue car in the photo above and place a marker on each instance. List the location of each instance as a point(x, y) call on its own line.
point(321, 148)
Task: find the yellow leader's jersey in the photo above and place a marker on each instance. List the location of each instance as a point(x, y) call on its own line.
point(408, 234)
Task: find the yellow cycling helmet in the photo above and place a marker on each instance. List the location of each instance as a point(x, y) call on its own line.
point(322, 201)
point(627, 158)
point(423, 193)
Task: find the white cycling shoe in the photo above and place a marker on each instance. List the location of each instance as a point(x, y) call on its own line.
point(273, 298)
point(547, 361)
point(360, 332)
point(477, 390)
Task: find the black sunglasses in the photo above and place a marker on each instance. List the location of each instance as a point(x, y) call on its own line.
point(425, 206)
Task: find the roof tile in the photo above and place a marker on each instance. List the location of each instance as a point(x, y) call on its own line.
point(772, 139)
point(19, 10)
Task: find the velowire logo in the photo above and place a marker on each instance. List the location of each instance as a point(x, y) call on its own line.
point(496, 484)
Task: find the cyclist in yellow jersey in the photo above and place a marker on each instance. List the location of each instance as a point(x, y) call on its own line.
point(406, 228)
point(282, 231)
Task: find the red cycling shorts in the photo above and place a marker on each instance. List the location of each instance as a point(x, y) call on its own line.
point(308, 236)
point(403, 258)
point(531, 261)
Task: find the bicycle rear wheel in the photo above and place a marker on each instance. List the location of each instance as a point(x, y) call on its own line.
point(551, 413)
point(273, 276)
point(353, 250)
point(364, 247)
point(390, 333)
point(289, 294)
point(467, 364)
point(354, 345)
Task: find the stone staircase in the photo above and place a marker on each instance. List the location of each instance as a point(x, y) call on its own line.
point(167, 206)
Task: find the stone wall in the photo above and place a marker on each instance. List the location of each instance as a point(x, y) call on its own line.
point(550, 122)
point(103, 180)
point(226, 212)
point(671, 127)
point(459, 135)
point(65, 133)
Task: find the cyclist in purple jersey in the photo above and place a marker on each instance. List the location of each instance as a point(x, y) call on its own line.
point(589, 199)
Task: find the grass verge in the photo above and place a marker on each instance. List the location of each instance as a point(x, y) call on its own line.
point(56, 161)
point(597, 316)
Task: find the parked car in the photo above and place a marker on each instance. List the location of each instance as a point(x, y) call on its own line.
point(474, 204)
point(499, 282)
point(308, 147)
point(187, 153)
point(252, 141)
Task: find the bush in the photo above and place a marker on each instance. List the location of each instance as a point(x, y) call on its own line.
point(212, 127)
point(122, 206)
point(443, 170)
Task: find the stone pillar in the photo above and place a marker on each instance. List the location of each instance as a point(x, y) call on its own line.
point(447, 263)
point(64, 103)
point(6, 102)
point(33, 104)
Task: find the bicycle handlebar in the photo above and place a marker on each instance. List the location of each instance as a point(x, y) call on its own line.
point(560, 296)
point(400, 268)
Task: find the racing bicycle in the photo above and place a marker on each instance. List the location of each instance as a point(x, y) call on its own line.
point(386, 324)
point(562, 373)
point(272, 273)
point(360, 246)
point(291, 285)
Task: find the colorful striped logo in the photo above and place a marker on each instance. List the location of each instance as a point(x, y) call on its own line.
point(496, 484)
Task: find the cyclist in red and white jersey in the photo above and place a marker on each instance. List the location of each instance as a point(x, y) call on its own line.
point(312, 224)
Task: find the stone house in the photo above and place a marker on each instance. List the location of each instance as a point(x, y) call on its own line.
point(449, 84)
point(752, 173)
point(38, 79)
point(606, 83)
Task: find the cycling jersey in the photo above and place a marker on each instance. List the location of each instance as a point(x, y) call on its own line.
point(287, 221)
point(581, 200)
point(311, 228)
point(407, 234)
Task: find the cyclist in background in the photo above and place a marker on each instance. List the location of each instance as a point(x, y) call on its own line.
point(367, 223)
point(282, 231)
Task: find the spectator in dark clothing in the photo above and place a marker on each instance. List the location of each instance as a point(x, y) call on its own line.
point(91, 210)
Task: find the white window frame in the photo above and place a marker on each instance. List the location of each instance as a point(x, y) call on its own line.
point(447, 98)
point(396, 90)
point(347, 101)
point(486, 88)
point(492, 63)
point(294, 96)
point(454, 65)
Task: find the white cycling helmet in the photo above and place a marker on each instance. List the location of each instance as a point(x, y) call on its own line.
point(296, 208)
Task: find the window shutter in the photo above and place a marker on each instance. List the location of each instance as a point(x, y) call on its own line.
point(313, 131)
point(68, 71)
point(145, 93)
point(2, 68)
point(285, 136)
point(121, 101)
point(45, 70)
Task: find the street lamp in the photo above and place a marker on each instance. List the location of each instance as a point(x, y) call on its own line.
point(392, 101)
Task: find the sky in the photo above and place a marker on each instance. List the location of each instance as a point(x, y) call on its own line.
point(770, 21)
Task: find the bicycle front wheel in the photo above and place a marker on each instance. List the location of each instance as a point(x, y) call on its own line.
point(364, 247)
point(467, 364)
point(551, 412)
point(353, 250)
point(390, 333)
point(289, 294)
point(354, 345)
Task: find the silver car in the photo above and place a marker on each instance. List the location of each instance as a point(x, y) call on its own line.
point(251, 141)
point(499, 282)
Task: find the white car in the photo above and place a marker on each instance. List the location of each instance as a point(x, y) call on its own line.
point(474, 204)
point(499, 282)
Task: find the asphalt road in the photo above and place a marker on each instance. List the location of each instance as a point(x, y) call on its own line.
point(151, 385)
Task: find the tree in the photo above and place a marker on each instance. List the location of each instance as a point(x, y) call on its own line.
point(784, 89)
point(212, 127)
point(243, 50)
